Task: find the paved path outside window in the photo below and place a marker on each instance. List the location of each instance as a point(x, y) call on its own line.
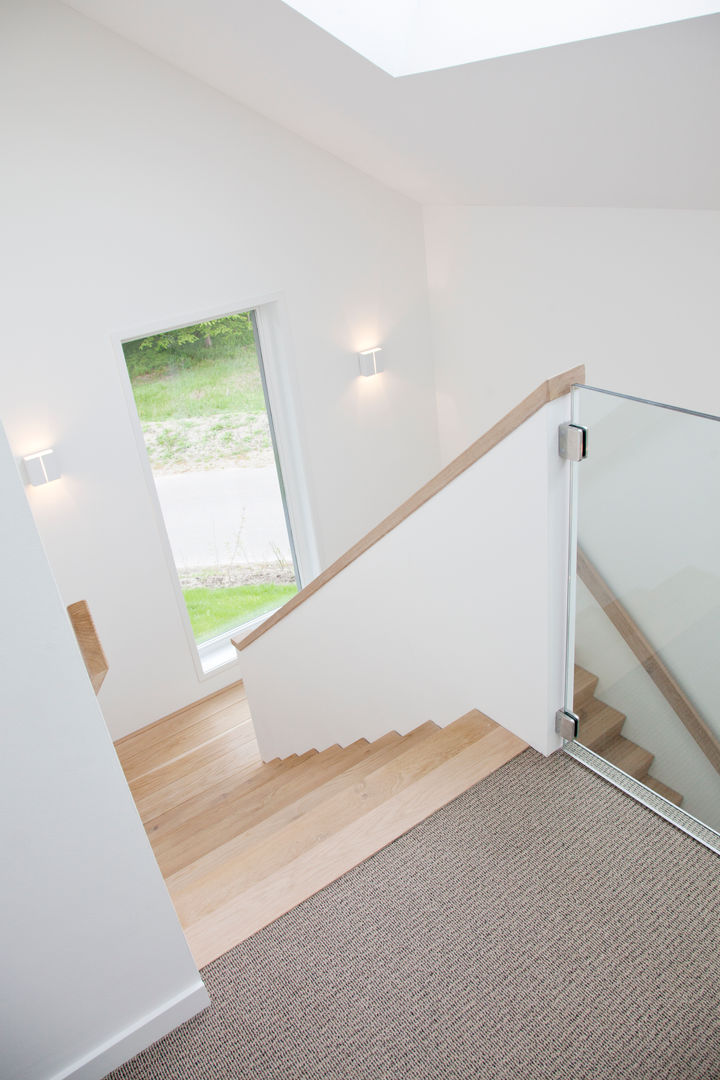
point(224, 516)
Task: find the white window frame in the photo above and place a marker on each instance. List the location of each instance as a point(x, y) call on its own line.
point(211, 656)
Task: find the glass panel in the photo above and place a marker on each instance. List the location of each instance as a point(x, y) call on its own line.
point(201, 400)
point(647, 603)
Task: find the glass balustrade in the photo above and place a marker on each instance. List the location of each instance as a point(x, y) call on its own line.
point(644, 633)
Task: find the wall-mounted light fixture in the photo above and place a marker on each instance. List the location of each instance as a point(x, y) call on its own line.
point(370, 362)
point(42, 467)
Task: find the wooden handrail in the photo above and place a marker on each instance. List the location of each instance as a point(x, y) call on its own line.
point(631, 633)
point(89, 642)
point(546, 392)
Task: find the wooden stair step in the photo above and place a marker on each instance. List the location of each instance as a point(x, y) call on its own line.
point(251, 908)
point(584, 687)
point(329, 802)
point(599, 729)
point(300, 789)
point(183, 731)
point(186, 740)
point(599, 724)
point(186, 764)
point(247, 777)
point(284, 836)
point(244, 808)
point(251, 806)
point(663, 789)
point(252, 802)
point(182, 778)
point(628, 756)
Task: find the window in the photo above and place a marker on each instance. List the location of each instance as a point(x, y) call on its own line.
point(202, 401)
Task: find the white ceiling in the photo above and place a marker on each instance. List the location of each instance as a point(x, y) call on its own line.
point(627, 120)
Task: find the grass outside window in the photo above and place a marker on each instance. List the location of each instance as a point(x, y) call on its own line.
point(214, 611)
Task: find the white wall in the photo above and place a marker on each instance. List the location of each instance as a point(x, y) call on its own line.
point(94, 963)
point(460, 607)
point(518, 293)
point(140, 197)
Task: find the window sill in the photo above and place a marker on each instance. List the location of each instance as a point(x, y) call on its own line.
point(220, 652)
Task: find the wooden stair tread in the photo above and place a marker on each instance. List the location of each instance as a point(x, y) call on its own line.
point(584, 686)
point(663, 789)
point(599, 729)
point(209, 832)
point(174, 783)
point(253, 774)
point(243, 809)
point(187, 740)
point(259, 904)
point(599, 724)
point(315, 815)
point(284, 836)
point(252, 806)
point(156, 744)
point(628, 756)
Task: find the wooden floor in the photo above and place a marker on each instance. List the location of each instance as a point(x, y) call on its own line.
point(240, 842)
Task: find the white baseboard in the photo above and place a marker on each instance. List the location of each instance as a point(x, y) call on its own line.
point(129, 1042)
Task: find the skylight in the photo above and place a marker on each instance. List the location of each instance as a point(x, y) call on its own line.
point(405, 37)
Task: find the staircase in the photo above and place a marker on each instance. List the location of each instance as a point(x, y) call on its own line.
point(240, 842)
point(600, 730)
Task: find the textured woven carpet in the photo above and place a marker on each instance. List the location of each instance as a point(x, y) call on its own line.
point(543, 925)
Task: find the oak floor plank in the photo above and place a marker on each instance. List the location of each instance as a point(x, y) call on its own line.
point(262, 903)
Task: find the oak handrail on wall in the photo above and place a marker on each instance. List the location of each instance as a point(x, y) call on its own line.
point(548, 391)
point(89, 642)
point(648, 657)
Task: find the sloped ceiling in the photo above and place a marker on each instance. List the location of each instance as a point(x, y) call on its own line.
point(628, 120)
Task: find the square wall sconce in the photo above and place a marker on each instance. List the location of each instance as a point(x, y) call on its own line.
point(370, 362)
point(42, 467)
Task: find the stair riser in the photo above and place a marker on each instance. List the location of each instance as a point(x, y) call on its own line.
point(632, 759)
point(583, 697)
point(584, 687)
point(600, 730)
point(599, 742)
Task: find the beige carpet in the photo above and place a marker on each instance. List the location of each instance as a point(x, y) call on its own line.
point(541, 927)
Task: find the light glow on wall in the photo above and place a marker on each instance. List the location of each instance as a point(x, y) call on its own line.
point(405, 37)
